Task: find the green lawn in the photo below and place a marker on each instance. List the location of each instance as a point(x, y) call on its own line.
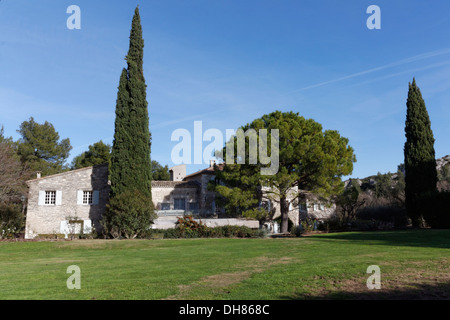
point(414, 264)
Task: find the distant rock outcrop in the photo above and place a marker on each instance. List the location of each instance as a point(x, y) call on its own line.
point(442, 162)
point(442, 167)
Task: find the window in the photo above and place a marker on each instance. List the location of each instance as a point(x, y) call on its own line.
point(50, 197)
point(193, 206)
point(266, 205)
point(179, 204)
point(316, 207)
point(165, 206)
point(302, 206)
point(87, 197)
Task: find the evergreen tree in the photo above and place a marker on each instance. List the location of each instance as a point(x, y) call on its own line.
point(130, 211)
point(310, 159)
point(159, 172)
point(41, 149)
point(130, 156)
point(420, 163)
point(98, 153)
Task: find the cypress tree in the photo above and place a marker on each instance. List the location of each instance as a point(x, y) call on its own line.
point(130, 155)
point(420, 162)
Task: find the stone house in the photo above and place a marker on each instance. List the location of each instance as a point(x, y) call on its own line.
point(74, 199)
point(73, 202)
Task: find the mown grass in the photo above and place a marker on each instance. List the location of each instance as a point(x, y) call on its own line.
point(414, 264)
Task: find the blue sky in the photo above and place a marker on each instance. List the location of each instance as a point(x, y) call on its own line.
point(228, 62)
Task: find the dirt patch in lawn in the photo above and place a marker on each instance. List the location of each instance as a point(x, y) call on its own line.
point(218, 283)
point(417, 281)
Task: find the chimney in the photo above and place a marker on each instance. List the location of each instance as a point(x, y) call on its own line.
point(38, 174)
point(212, 163)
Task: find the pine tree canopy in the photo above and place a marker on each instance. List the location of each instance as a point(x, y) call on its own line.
point(98, 153)
point(41, 148)
point(310, 159)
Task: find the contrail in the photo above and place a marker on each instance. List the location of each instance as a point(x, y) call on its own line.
point(179, 120)
point(390, 65)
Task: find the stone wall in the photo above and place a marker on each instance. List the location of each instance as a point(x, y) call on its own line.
point(206, 197)
point(47, 218)
point(170, 222)
point(167, 191)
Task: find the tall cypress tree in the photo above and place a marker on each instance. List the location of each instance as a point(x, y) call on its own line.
point(130, 155)
point(420, 162)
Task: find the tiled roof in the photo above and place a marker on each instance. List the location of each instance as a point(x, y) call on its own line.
point(209, 170)
point(68, 172)
point(175, 184)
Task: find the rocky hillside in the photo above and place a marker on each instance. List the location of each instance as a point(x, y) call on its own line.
point(442, 167)
point(443, 162)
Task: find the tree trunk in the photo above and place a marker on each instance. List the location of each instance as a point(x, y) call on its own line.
point(284, 208)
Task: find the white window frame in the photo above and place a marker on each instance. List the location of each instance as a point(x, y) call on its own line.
point(82, 197)
point(50, 198)
point(88, 197)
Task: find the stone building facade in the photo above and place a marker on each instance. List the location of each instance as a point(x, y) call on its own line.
point(68, 202)
point(74, 201)
point(169, 196)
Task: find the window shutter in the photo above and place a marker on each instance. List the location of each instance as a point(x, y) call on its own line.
point(58, 199)
point(79, 197)
point(87, 226)
point(64, 228)
point(41, 200)
point(95, 197)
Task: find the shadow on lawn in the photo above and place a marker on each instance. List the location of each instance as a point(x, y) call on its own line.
point(414, 238)
point(438, 291)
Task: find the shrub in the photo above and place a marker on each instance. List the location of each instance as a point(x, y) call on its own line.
point(309, 225)
point(384, 215)
point(128, 215)
point(207, 232)
point(172, 233)
point(190, 228)
point(332, 224)
point(51, 236)
point(11, 220)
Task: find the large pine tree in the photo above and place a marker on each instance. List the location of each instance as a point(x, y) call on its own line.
point(130, 155)
point(310, 159)
point(420, 163)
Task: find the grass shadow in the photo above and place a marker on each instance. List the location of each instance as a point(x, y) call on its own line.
point(438, 291)
point(433, 238)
